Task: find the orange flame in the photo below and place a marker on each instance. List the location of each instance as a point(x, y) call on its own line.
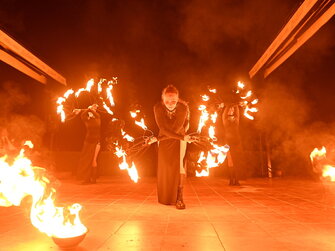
point(127, 136)
point(319, 159)
point(215, 157)
point(217, 154)
point(205, 97)
point(132, 171)
point(60, 101)
point(245, 104)
point(89, 85)
point(141, 124)
point(20, 180)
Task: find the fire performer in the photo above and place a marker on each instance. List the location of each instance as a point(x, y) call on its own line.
point(230, 119)
point(87, 168)
point(172, 118)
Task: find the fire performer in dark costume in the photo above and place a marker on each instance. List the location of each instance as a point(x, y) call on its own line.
point(87, 168)
point(230, 119)
point(172, 118)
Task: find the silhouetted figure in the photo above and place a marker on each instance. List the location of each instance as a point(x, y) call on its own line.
point(87, 168)
point(230, 119)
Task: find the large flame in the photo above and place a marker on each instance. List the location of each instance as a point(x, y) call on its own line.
point(99, 95)
point(21, 179)
point(132, 171)
point(217, 154)
point(214, 158)
point(319, 161)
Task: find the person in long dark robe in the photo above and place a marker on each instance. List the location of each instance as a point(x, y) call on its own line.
point(230, 119)
point(172, 118)
point(87, 168)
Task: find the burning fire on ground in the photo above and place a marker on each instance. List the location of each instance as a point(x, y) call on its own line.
point(19, 180)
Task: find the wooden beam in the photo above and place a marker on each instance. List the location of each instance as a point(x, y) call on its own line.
point(304, 8)
point(324, 18)
point(10, 44)
point(17, 64)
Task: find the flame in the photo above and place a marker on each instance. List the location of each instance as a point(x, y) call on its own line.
point(215, 157)
point(141, 124)
point(21, 179)
point(214, 117)
point(133, 114)
point(211, 132)
point(254, 102)
point(107, 108)
point(205, 97)
point(109, 95)
point(247, 110)
point(317, 154)
point(245, 103)
point(212, 90)
point(29, 144)
point(329, 171)
point(88, 88)
point(240, 85)
point(127, 136)
point(217, 154)
point(247, 95)
point(319, 161)
point(132, 171)
point(60, 101)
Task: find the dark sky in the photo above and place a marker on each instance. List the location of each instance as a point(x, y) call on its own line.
point(192, 43)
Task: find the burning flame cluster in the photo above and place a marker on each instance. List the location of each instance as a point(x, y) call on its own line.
point(101, 93)
point(247, 101)
point(21, 179)
point(121, 153)
point(217, 154)
point(321, 164)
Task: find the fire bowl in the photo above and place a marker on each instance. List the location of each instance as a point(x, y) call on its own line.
point(69, 242)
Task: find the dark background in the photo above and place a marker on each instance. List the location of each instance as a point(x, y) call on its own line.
point(191, 44)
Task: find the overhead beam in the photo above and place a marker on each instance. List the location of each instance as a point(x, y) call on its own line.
point(324, 18)
point(10, 44)
point(302, 11)
point(17, 64)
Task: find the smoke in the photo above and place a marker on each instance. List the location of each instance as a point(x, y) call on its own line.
point(11, 97)
point(14, 103)
point(23, 128)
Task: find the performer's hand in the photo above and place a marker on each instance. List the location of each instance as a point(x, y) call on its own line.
point(93, 107)
point(190, 139)
point(151, 140)
point(76, 111)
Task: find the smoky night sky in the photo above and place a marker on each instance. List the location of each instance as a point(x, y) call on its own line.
point(191, 44)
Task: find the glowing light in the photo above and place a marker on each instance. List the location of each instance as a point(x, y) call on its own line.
point(247, 95)
point(205, 97)
point(132, 171)
point(20, 180)
point(141, 124)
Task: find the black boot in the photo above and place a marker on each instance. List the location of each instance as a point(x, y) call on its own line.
point(180, 203)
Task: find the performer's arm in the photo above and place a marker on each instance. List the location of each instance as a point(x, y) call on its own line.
point(181, 118)
point(84, 113)
point(96, 115)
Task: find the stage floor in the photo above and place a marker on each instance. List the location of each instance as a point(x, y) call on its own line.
point(262, 214)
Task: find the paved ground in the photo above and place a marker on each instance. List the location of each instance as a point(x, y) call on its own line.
point(262, 214)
